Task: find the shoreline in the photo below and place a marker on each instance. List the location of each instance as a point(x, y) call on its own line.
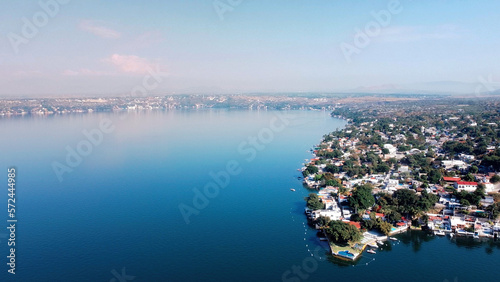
point(349, 253)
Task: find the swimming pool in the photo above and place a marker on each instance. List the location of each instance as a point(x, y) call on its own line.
point(346, 254)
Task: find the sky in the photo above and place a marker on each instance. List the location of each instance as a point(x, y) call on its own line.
point(100, 48)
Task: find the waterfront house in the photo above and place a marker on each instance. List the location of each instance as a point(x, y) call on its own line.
point(457, 222)
point(355, 224)
point(334, 214)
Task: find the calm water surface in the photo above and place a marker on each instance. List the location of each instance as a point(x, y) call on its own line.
point(118, 210)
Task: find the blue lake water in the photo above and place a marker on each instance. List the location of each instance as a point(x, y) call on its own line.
point(119, 209)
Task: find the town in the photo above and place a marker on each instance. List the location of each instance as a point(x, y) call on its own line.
point(394, 168)
point(40, 107)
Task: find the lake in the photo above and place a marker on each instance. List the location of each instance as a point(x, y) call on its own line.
point(190, 196)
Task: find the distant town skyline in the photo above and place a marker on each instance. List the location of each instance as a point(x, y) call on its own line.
point(71, 48)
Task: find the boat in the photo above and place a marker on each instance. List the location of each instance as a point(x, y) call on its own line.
point(393, 239)
point(451, 235)
point(371, 251)
point(476, 235)
point(380, 243)
point(293, 190)
point(439, 233)
point(323, 239)
point(372, 245)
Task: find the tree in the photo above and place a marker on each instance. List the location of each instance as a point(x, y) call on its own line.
point(314, 203)
point(494, 210)
point(469, 177)
point(310, 169)
point(406, 201)
point(369, 224)
point(393, 216)
point(474, 169)
point(332, 168)
point(425, 218)
point(464, 202)
point(318, 177)
point(434, 176)
point(495, 178)
point(341, 232)
point(356, 217)
point(362, 197)
point(403, 148)
point(385, 227)
point(322, 221)
point(383, 167)
point(427, 201)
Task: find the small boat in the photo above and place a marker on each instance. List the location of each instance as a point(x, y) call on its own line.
point(380, 243)
point(372, 245)
point(323, 239)
point(371, 251)
point(393, 239)
point(293, 190)
point(439, 233)
point(476, 235)
point(451, 235)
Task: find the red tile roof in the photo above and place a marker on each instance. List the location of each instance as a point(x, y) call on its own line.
point(378, 214)
point(356, 224)
point(466, 183)
point(452, 179)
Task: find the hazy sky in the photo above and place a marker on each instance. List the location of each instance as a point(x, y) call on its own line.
point(113, 47)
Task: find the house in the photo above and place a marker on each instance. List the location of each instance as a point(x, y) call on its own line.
point(488, 200)
point(465, 186)
point(467, 158)
point(451, 180)
point(403, 168)
point(366, 216)
point(355, 224)
point(450, 164)
point(391, 148)
point(334, 214)
point(457, 222)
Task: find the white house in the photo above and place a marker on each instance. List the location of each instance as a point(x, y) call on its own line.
point(450, 164)
point(391, 148)
point(334, 214)
point(465, 186)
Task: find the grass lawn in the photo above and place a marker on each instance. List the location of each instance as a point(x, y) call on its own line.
point(349, 247)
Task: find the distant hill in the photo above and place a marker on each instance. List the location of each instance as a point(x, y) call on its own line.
point(433, 87)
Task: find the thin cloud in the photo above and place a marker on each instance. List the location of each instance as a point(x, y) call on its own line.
point(130, 63)
point(96, 28)
point(84, 72)
point(149, 38)
point(419, 33)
